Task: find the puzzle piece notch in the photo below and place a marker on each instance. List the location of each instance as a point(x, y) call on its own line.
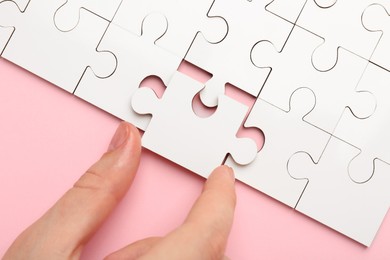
point(369, 134)
point(229, 61)
point(333, 199)
point(376, 18)
point(60, 58)
point(176, 133)
point(137, 58)
point(341, 27)
point(292, 69)
point(285, 133)
point(67, 16)
point(186, 19)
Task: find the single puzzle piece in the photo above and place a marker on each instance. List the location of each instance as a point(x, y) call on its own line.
point(287, 9)
point(229, 61)
point(332, 198)
point(371, 135)
point(377, 18)
point(185, 19)
point(292, 69)
point(61, 58)
point(67, 16)
point(137, 58)
point(285, 133)
point(176, 133)
point(340, 25)
point(6, 32)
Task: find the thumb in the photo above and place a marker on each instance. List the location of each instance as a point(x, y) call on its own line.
point(67, 226)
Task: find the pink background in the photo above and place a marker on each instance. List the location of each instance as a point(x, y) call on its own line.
point(48, 138)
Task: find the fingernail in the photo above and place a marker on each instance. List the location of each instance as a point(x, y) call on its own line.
point(120, 137)
point(229, 171)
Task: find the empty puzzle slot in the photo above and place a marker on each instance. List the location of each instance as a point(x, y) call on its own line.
point(194, 72)
point(154, 83)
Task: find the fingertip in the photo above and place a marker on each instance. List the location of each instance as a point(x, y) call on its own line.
point(225, 172)
point(125, 132)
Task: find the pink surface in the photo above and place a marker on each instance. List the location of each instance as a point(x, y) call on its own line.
point(49, 137)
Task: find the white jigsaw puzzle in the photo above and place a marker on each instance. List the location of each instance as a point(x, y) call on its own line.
point(137, 58)
point(285, 133)
point(333, 198)
point(370, 135)
point(59, 57)
point(174, 121)
point(229, 61)
point(318, 69)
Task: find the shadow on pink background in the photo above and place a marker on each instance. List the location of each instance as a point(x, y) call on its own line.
point(48, 138)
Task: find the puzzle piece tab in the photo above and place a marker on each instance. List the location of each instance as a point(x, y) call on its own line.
point(178, 134)
point(186, 18)
point(137, 58)
point(229, 61)
point(285, 133)
point(292, 69)
point(371, 134)
point(339, 24)
point(332, 198)
point(59, 57)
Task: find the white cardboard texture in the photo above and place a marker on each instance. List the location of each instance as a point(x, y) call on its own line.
point(137, 57)
point(185, 18)
point(292, 69)
point(179, 135)
point(59, 57)
point(6, 32)
point(285, 133)
point(331, 197)
point(377, 18)
point(67, 17)
point(229, 61)
point(371, 135)
point(287, 9)
point(340, 25)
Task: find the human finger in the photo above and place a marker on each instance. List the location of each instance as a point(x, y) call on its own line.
point(64, 229)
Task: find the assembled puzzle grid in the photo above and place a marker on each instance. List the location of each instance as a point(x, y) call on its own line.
point(318, 70)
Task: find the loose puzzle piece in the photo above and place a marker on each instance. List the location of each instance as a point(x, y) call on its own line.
point(61, 58)
point(67, 17)
point(339, 23)
point(137, 58)
point(185, 19)
point(176, 133)
point(285, 133)
point(229, 61)
point(6, 32)
point(331, 197)
point(292, 69)
point(377, 18)
point(371, 135)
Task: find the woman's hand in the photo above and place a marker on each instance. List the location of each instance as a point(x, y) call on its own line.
point(63, 230)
